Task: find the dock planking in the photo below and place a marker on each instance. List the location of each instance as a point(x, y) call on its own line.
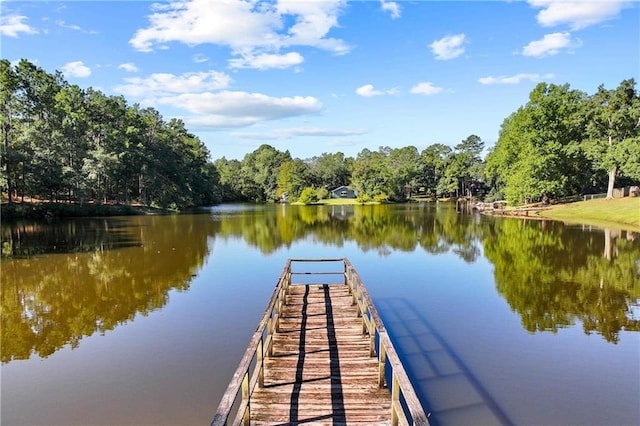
point(320, 355)
point(320, 369)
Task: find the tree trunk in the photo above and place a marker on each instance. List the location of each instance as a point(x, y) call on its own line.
point(612, 181)
point(612, 175)
point(8, 168)
point(610, 246)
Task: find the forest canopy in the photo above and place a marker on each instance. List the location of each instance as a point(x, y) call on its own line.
point(61, 142)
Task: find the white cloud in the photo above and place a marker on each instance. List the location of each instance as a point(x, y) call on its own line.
point(265, 61)
point(368, 91)
point(74, 27)
point(238, 104)
point(238, 109)
point(199, 58)
point(392, 7)
point(448, 47)
point(128, 67)
point(198, 94)
point(301, 131)
point(313, 21)
point(214, 122)
point(256, 28)
point(426, 88)
point(514, 79)
point(76, 69)
point(13, 25)
point(63, 24)
point(161, 84)
point(576, 14)
point(550, 44)
point(237, 24)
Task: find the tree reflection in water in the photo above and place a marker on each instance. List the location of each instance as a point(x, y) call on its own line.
point(64, 281)
point(50, 300)
point(553, 275)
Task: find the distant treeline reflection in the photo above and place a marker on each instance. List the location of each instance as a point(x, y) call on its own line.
point(105, 272)
point(53, 300)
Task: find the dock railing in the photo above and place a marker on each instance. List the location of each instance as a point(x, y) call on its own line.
point(236, 401)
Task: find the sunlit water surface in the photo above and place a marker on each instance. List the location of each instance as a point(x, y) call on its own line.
point(143, 320)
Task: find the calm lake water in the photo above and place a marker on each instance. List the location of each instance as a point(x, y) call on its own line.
point(143, 320)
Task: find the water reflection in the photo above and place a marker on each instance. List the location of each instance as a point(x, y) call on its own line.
point(435, 228)
point(61, 282)
point(554, 276)
point(50, 301)
point(30, 238)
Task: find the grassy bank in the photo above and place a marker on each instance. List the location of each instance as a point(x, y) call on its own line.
point(616, 213)
point(51, 210)
point(336, 202)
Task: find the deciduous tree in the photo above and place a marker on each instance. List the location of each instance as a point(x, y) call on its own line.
point(614, 117)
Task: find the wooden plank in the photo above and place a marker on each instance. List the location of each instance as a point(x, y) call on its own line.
point(320, 368)
point(317, 361)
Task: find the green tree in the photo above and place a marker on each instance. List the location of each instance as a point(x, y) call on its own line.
point(259, 173)
point(229, 175)
point(9, 154)
point(106, 115)
point(330, 170)
point(370, 174)
point(614, 117)
point(71, 106)
point(433, 166)
point(59, 139)
point(629, 154)
point(538, 150)
point(470, 168)
point(308, 195)
point(403, 170)
point(293, 177)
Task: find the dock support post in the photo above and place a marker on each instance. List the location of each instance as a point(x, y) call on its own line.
point(270, 333)
point(246, 417)
point(260, 363)
point(395, 399)
point(372, 338)
point(382, 361)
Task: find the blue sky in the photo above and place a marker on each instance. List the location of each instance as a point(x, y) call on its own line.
point(328, 76)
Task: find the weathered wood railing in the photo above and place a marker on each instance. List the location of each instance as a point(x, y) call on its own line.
point(385, 351)
point(406, 407)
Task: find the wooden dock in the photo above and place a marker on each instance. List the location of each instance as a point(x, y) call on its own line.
point(320, 355)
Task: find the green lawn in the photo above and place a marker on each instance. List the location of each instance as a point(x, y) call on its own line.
point(616, 213)
point(601, 212)
point(338, 202)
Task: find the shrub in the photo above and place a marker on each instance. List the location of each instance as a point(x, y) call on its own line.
point(308, 195)
point(381, 198)
point(322, 193)
point(363, 198)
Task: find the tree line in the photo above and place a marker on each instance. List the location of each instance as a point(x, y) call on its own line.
point(562, 142)
point(565, 142)
point(385, 174)
point(62, 142)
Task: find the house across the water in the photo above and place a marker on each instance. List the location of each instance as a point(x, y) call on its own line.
point(343, 192)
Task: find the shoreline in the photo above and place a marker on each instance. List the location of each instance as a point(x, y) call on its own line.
point(46, 210)
point(619, 213)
